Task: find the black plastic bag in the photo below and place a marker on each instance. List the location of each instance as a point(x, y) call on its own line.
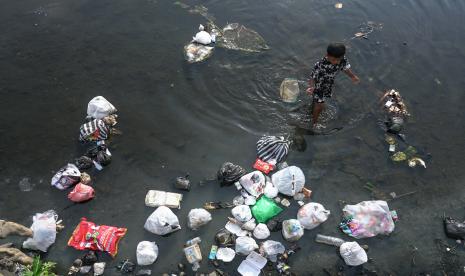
point(103, 158)
point(230, 173)
point(454, 229)
point(83, 163)
point(395, 124)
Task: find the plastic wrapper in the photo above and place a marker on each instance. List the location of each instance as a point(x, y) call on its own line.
point(89, 236)
point(312, 214)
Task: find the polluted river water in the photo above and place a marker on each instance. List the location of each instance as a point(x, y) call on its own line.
point(178, 118)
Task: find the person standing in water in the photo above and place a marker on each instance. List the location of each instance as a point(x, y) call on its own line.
point(322, 78)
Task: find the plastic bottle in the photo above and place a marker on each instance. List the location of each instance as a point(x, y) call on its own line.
point(329, 240)
point(193, 241)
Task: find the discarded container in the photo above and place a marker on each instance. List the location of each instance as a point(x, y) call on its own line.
point(99, 268)
point(213, 252)
point(89, 236)
point(198, 217)
point(99, 107)
point(230, 173)
point(146, 253)
point(292, 230)
point(289, 181)
point(367, 219)
point(155, 198)
point(265, 209)
point(66, 177)
point(44, 231)
point(252, 265)
point(254, 183)
point(312, 214)
point(272, 149)
point(245, 245)
point(162, 221)
point(353, 254)
point(225, 254)
point(329, 240)
point(261, 232)
point(289, 90)
point(193, 255)
point(183, 183)
point(242, 213)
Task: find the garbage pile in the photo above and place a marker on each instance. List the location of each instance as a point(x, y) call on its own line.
point(396, 115)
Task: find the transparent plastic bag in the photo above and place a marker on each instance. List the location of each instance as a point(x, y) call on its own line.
point(44, 231)
point(292, 230)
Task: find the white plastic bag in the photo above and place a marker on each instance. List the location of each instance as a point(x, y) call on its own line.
point(44, 231)
point(202, 37)
point(66, 177)
point(162, 221)
point(198, 217)
point(270, 190)
point(312, 214)
point(245, 245)
point(242, 213)
point(235, 229)
point(353, 254)
point(271, 249)
point(99, 107)
point(253, 183)
point(261, 232)
point(249, 225)
point(225, 254)
point(147, 253)
point(289, 181)
point(292, 230)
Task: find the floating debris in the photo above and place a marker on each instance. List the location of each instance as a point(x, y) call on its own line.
point(416, 161)
point(399, 156)
point(338, 5)
point(367, 28)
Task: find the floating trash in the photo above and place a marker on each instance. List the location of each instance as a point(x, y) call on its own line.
point(196, 52)
point(416, 161)
point(366, 28)
point(25, 185)
point(235, 36)
point(399, 156)
point(338, 5)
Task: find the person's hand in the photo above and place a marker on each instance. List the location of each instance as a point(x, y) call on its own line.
point(355, 80)
point(310, 90)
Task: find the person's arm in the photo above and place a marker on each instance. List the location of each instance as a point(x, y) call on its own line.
point(352, 76)
point(311, 86)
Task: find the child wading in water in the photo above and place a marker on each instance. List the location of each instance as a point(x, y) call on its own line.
point(322, 78)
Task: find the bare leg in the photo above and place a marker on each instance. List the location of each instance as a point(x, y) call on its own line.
point(317, 108)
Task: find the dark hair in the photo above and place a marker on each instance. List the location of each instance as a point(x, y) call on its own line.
point(336, 50)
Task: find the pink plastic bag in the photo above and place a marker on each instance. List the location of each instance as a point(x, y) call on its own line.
point(81, 192)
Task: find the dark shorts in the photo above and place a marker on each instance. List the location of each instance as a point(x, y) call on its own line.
point(319, 96)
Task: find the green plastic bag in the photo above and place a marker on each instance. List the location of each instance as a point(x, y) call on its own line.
point(265, 209)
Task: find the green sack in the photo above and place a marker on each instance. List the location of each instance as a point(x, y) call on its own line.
point(265, 209)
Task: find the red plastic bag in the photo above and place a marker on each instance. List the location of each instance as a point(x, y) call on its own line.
point(81, 192)
point(263, 166)
point(88, 236)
